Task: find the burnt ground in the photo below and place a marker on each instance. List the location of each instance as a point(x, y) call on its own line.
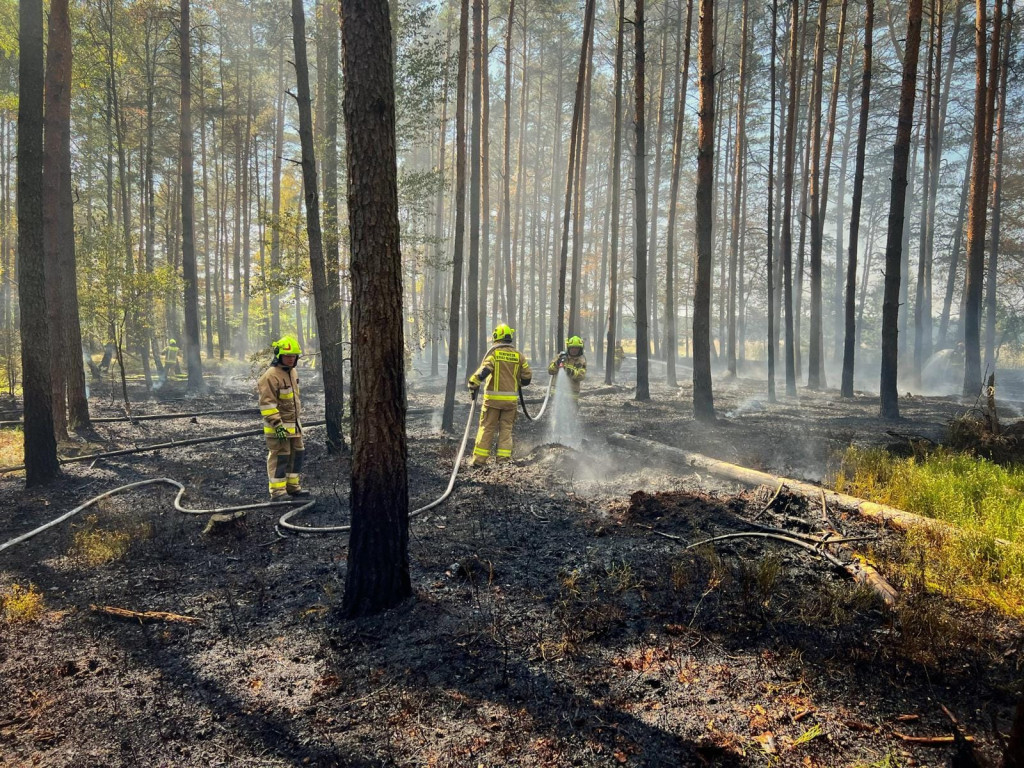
point(551, 626)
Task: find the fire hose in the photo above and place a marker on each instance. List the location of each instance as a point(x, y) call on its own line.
point(283, 522)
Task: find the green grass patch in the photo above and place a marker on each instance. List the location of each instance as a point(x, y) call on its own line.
point(21, 605)
point(983, 500)
point(12, 447)
point(94, 546)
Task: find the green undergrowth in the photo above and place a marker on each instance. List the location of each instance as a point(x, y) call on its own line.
point(982, 557)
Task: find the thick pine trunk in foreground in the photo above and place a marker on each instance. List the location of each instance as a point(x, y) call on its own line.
point(40, 446)
point(324, 303)
point(890, 406)
point(703, 401)
point(378, 557)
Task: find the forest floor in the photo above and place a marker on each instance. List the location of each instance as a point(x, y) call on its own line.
point(550, 625)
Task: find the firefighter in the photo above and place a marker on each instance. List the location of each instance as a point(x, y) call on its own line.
point(574, 363)
point(282, 427)
point(170, 355)
point(503, 371)
point(618, 356)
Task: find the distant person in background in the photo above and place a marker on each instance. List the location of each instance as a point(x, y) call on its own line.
point(619, 356)
point(503, 371)
point(170, 355)
point(573, 363)
point(109, 352)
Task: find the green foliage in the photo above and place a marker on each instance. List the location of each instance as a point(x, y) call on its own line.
point(21, 605)
point(984, 502)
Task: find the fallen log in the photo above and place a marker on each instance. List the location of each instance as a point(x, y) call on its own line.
point(124, 613)
point(897, 518)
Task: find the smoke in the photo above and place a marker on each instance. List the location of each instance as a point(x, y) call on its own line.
point(565, 426)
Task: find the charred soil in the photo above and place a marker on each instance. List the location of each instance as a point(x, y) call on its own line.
point(558, 617)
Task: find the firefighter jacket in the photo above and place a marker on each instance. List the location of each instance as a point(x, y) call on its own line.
point(503, 370)
point(171, 354)
point(575, 368)
point(279, 400)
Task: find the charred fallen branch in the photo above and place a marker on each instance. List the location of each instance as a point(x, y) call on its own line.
point(896, 518)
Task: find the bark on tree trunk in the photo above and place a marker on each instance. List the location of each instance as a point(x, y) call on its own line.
point(978, 206)
point(739, 152)
point(773, 298)
point(378, 558)
point(616, 171)
point(890, 404)
point(997, 192)
point(787, 202)
point(671, 341)
point(188, 253)
point(328, 328)
point(57, 207)
point(849, 343)
point(448, 414)
point(640, 210)
point(40, 446)
point(703, 401)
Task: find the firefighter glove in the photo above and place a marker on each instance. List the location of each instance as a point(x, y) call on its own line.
point(282, 433)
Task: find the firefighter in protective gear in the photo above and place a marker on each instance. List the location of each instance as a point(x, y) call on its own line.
point(574, 363)
point(503, 371)
point(282, 427)
point(618, 356)
point(171, 357)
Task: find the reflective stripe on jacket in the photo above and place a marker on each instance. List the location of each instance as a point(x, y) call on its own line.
point(505, 370)
point(279, 400)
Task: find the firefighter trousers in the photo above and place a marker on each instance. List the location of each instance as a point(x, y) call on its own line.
point(494, 421)
point(284, 463)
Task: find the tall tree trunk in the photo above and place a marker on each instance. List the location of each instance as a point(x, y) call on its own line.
point(473, 340)
point(826, 177)
point(671, 341)
point(328, 325)
point(997, 193)
point(378, 556)
point(571, 173)
point(787, 202)
point(579, 206)
point(703, 399)
point(979, 202)
point(772, 346)
point(616, 171)
point(815, 365)
point(40, 446)
point(275, 213)
point(640, 210)
point(188, 253)
point(837, 296)
point(652, 240)
point(448, 414)
point(506, 173)
point(740, 152)
point(922, 296)
point(57, 205)
point(849, 344)
point(890, 404)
